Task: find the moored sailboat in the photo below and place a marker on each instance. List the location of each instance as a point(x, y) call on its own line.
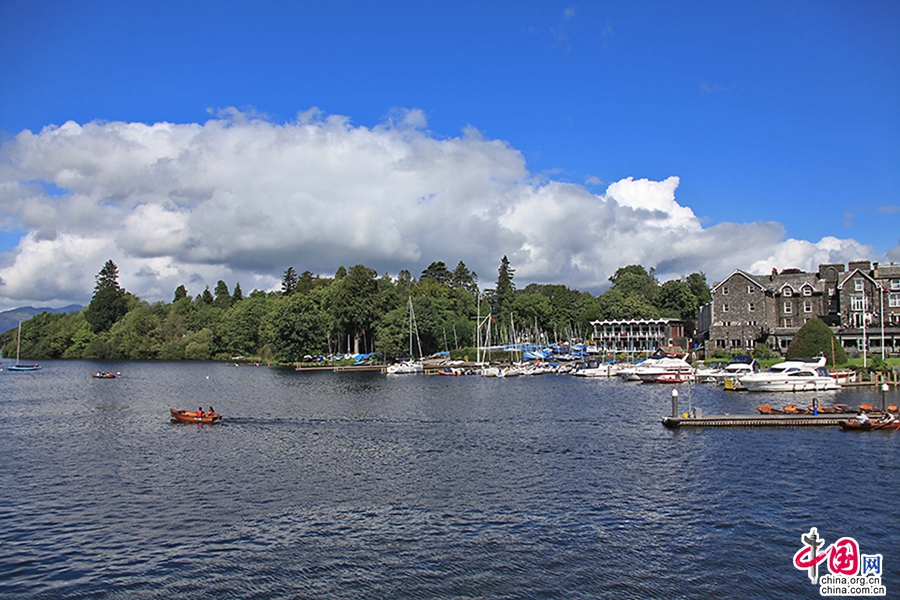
point(18, 366)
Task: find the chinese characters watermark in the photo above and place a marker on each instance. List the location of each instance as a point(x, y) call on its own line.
point(851, 573)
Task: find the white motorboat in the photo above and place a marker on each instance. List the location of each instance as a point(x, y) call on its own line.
point(665, 370)
point(740, 366)
point(594, 368)
point(708, 372)
point(796, 375)
point(405, 367)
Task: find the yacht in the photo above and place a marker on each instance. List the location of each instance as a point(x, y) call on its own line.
point(665, 370)
point(708, 372)
point(405, 367)
point(795, 375)
point(739, 367)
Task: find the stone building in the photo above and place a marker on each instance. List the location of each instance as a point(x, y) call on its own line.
point(868, 297)
point(860, 303)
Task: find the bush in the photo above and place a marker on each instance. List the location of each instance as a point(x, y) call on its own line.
point(762, 352)
point(815, 339)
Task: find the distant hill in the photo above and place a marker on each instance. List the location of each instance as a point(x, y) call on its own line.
point(11, 318)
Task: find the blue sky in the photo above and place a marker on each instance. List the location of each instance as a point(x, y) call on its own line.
point(779, 120)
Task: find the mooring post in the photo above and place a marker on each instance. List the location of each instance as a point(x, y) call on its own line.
point(674, 403)
point(884, 389)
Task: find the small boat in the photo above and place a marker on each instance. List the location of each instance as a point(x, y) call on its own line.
point(190, 416)
point(104, 375)
point(837, 409)
point(451, 372)
point(870, 425)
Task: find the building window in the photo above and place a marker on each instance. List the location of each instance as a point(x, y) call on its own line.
point(750, 289)
point(787, 322)
point(807, 291)
point(787, 291)
point(857, 303)
point(894, 301)
point(751, 307)
point(858, 285)
point(724, 290)
point(807, 306)
point(724, 308)
point(788, 309)
point(895, 284)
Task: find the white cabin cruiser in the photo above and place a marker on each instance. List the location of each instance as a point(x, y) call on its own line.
point(405, 367)
point(738, 368)
point(795, 375)
point(665, 369)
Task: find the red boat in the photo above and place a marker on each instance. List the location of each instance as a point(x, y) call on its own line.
point(672, 378)
point(870, 425)
point(190, 416)
point(103, 375)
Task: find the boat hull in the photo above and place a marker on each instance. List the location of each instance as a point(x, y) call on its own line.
point(189, 416)
point(809, 385)
point(869, 425)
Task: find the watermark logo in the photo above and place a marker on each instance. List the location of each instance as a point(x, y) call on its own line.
point(851, 573)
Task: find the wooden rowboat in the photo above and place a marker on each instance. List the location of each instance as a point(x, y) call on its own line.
point(190, 416)
point(870, 425)
point(103, 375)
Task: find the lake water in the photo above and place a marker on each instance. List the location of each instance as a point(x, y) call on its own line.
point(361, 485)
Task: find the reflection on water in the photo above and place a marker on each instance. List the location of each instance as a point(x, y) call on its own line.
point(364, 486)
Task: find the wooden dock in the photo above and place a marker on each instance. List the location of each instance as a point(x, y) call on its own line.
point(760, 420)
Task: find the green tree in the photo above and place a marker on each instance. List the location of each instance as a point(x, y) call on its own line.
point(699, 287)
point(465, 279)
point(354, 304)
point(437, 272)
point(238, 295)
point(634, 279)
point(223, 296)
point(299, 328)
point(108, 304)
point(289, 281)
point(675, 299)
point(504, 292)
point(815, 339)
point(241, 327)
point(405, 281)
point(180, 292)
point(199, 345)
point(135, 336)
point(616, 305)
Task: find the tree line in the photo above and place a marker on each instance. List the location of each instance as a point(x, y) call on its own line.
point(354, 311)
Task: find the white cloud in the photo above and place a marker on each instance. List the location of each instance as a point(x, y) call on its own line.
point(240, 198)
